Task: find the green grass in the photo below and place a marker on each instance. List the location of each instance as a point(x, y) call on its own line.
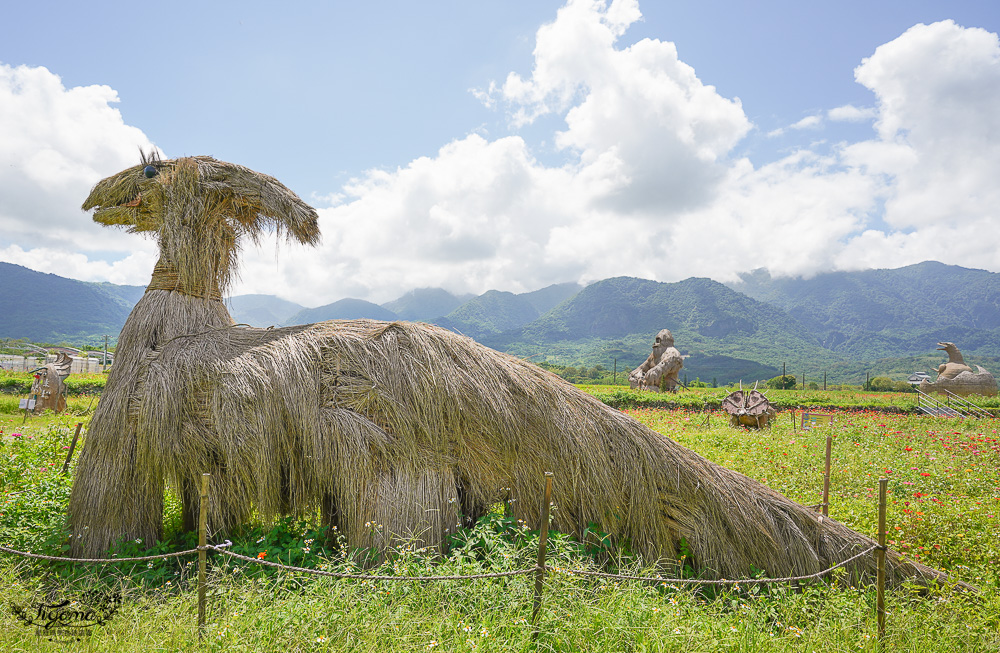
point(944, 500)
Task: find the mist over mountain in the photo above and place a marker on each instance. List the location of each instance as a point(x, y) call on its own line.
point(496, 312)
point(549, 297)
point(261, 310)
point(425, 304)
point(344, 309)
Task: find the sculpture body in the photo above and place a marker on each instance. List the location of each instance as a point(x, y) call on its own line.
point(661, 368)
point(405, 425)
point(49, 387)
point(957, 377)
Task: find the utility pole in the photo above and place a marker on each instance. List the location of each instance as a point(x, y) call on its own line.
point(104, 365)
point(616, 372)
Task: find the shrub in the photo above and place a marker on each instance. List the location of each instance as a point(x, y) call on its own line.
point(784, 382)
point(885, 384)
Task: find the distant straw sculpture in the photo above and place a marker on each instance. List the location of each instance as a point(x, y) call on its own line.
point(394, 431)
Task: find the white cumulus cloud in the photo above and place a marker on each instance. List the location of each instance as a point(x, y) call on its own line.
point(851, 113)
point(55, 143)
point(809, 122)
point(938, 89)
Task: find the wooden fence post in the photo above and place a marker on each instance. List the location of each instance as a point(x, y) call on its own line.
point(72, 445)
point(880, 558)
point(543, 536)
point(202, 527)
point(826, 477)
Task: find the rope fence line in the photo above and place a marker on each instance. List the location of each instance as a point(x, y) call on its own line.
point(222, 548)
point(721, 581)
point(38, 556)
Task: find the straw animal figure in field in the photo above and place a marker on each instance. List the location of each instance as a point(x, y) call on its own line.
point(407, 426)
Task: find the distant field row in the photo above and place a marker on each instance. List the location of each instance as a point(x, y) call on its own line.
point(87, 386)
point(711, 398)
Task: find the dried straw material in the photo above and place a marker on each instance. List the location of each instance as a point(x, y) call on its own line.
point(395, 431)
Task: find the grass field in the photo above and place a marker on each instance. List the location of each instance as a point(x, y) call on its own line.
point(944, 504)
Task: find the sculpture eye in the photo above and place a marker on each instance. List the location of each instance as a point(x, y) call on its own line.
point(149, 171)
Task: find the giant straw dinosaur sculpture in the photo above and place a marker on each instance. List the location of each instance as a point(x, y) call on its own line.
point(408, 426)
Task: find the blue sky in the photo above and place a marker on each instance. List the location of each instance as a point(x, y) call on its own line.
point(512, 144)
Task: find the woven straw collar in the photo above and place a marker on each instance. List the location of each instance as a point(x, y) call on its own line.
point(165, 277)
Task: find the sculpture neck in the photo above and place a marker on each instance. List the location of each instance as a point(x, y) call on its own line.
point(166, 277)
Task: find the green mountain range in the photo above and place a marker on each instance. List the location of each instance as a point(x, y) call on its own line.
point(48, 308)
point(843, 324)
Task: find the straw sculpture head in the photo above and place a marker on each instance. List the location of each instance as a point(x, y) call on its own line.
point(200, 210)
point(406, 426)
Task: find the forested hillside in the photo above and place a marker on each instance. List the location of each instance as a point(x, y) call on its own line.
point(491, 313)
